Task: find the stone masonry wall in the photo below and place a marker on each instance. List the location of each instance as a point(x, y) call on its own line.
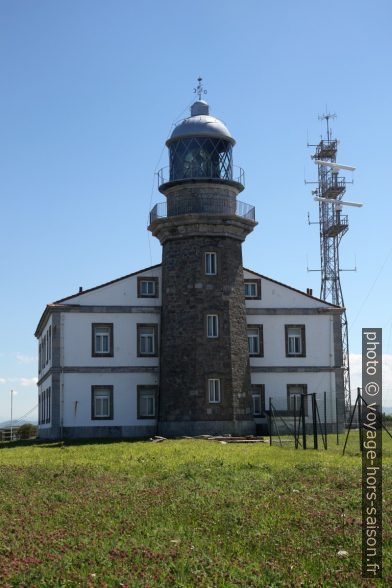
point(188, 357)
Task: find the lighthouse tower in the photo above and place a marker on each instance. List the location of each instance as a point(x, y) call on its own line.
point(204, 361)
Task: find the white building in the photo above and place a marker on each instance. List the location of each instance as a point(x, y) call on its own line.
point(232, 340)
point(99, 355)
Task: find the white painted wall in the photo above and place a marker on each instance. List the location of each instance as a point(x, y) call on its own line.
point(77, 389)
point(122, 293)
point(274, 295)
point(276, 388)
point(77, 329)
point(318, 340)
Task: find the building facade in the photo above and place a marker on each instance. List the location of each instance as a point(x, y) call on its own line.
point(197, 344)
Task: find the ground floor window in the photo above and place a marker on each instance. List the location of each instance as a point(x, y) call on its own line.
point(214, 391)
point(295, 392)
point(101, 402)
point(146, 401)
point(258, 398)
point(44, 406)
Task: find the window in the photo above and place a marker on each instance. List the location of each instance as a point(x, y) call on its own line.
point(214, 391)
point(102, 339)
point(212, 326)
point(101, 402)
point(295, 392)
point(258, 398)
point(43, 351)
point(295, 340)
point(50, 343)
point(147, 336)
point(147, 287)
point(40, 408)
point(255, 340)
point(210, 263)
point(48, 399)
point(252, 289)
point(146, 401)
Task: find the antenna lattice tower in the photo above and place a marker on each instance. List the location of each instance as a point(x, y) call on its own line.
point(333, 225)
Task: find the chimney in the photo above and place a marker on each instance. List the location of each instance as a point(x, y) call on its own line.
point(80, 289)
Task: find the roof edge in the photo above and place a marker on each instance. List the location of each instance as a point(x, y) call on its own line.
point(106, 284)
point(57, 304)
point(293, 289)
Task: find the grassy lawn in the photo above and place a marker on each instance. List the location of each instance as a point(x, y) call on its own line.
point(184, 513)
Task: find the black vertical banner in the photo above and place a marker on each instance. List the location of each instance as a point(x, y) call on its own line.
point(371, 405)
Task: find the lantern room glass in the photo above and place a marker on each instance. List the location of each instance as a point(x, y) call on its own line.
point(201, 157)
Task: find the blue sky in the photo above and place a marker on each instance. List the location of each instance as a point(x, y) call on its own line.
point(89, 92)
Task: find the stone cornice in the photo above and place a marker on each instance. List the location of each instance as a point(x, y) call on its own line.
point(289, 311)
point(206, 225)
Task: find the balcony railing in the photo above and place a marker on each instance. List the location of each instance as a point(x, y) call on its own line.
point(201, 172)
point(215, 205)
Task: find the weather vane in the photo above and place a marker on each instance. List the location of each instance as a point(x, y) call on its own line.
point(199, 90)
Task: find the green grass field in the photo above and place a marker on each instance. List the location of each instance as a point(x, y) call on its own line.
point(184, 513)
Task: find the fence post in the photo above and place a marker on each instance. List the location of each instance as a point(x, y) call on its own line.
point(359, 399)
point(303, 420)
point(270, 421)
point(325, 420)
point(315, 439)
point(295, 421)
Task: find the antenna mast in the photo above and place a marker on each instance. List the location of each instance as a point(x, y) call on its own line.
point(333, 225)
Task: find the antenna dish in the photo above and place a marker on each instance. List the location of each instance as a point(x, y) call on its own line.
point(338, 202)
point(333, 165)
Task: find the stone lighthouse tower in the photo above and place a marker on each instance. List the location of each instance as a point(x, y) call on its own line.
point(204, 361)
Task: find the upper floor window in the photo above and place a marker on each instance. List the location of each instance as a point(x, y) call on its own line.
point(212, 326)
point(102, 339)
point(50, 342)
point(210, 263)
point(101, 402)
point(258, 398)
point(147, 287)
point(146, 401)
point(255, 340)
point(147, 339)
point(252, 289)
point(295, 340)
point(214, 392)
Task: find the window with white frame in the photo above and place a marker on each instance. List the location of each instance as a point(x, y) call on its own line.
point(210, 263)
point(258, 399)
point(295, 340)
point(254, 340)
point(146, 401)
point(147, 339)
point(50, 343)
point(296, 395)
point(214, 392)
point(101, 402)
point(147, 287)
point(212, 326)
point(102, 339)
point(48, 404)
point(252, 289)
